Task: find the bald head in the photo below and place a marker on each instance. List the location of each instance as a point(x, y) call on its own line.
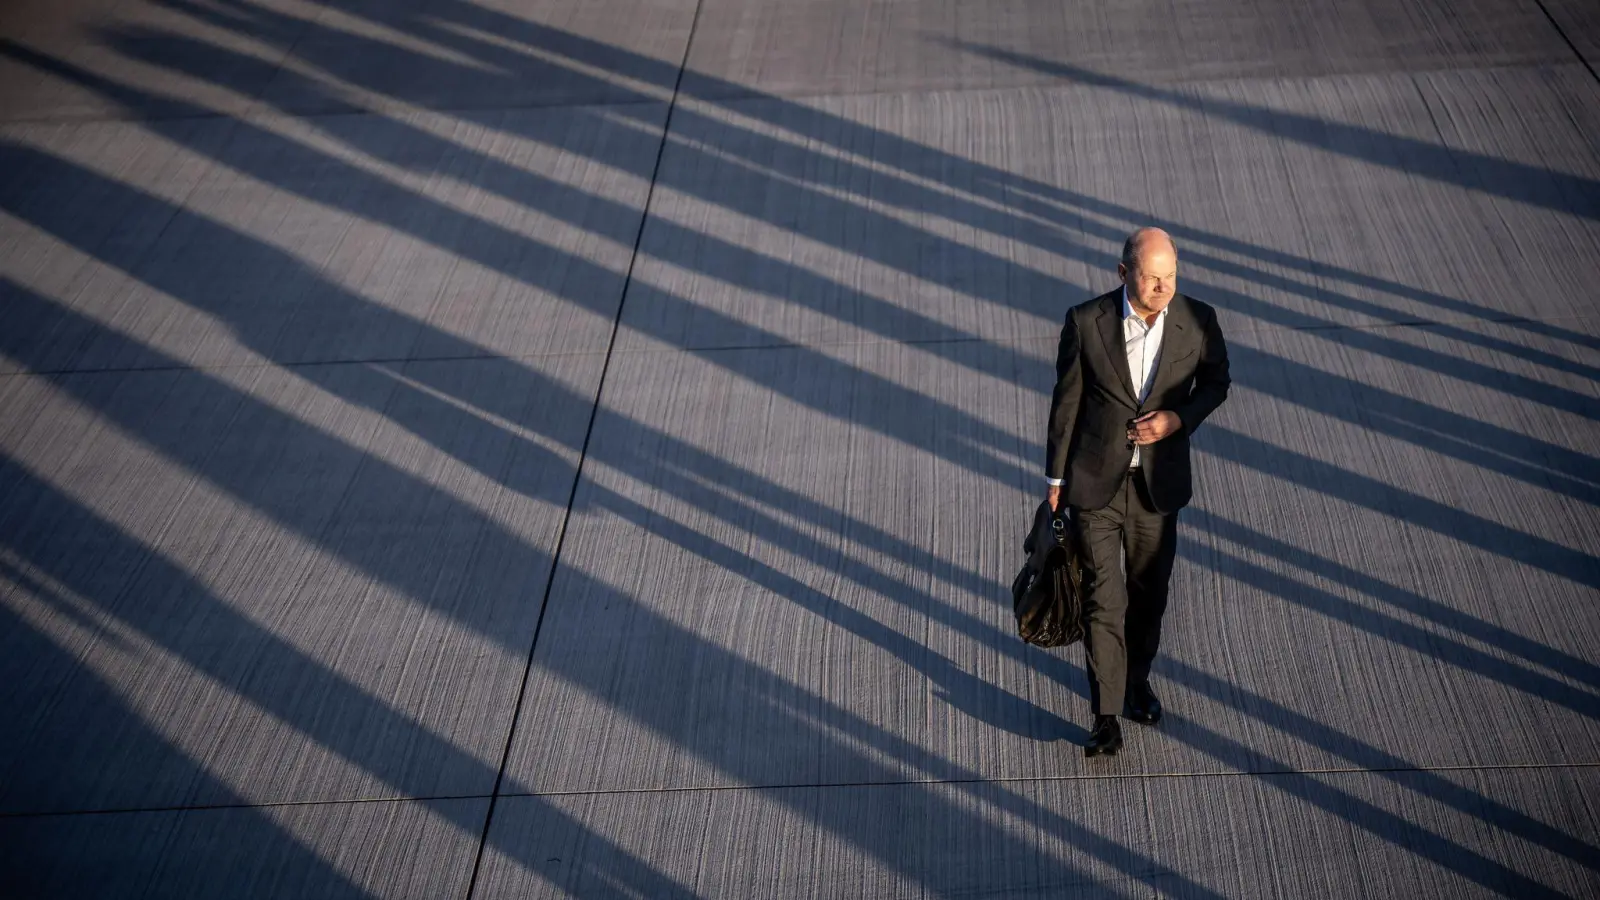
point(1149, 270)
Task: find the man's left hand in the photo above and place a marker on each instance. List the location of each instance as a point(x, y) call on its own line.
point(1153, 426)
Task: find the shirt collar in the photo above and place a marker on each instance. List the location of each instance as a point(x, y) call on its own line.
point(1127, 308)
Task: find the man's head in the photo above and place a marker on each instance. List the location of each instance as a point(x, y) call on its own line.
point(1149, 269)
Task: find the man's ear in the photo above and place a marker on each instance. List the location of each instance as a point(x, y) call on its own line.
point(1122, 271)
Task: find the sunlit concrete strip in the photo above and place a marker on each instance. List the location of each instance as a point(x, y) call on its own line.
point(153, 654)
point(131, 658)
point(1405, 604)
point(126, 663)
point(476, 38)
point(1009, 441)
point(303, 566)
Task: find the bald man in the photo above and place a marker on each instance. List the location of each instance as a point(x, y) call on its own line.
point(1137, 371)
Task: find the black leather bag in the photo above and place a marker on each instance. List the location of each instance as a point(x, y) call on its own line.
point(1046, 594)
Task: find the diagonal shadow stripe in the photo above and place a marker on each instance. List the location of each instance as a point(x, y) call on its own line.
point(998, 186)
point(31, 864)
point(1401, 599)
point(299, 680)
point(1535, 186)
point(756, 368)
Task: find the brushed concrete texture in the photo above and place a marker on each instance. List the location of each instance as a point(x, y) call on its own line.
point(106, 218)
point(834, 46)
point(343, 239)
point(162, 59)
point(1522, 831)
point(1542, 116)
point(1404, 201)
point(316, 582)
point(850, 219)
point(1492, 423)
point(950, 216)
point(819, 586)
point(834, 841)
point(305, 308)
point(41, 41)
point(1580, 24)
point(396, 850)
point(1373, 510)
point(1539, 129)
point(1491, 832)
point(461, 55)
point(754, 539)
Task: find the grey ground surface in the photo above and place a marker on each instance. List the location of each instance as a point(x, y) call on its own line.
point(580, 447)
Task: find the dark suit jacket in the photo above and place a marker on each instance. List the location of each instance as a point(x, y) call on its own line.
point(1094, 398)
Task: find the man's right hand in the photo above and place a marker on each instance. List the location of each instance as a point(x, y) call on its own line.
point(1054, 496)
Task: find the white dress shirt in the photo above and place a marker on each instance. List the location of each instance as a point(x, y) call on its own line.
point(1142, 343)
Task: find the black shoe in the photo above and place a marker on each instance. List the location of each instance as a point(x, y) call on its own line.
point(1143, 705)
point(1105, 739)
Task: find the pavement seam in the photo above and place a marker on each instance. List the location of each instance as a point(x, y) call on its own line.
point(736, 95)
point(1047, 779)
point(730, 788)
point(583, 455)
point(1568, 41)
point(722, 348)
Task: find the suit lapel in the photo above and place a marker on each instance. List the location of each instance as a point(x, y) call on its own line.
point(1178, 332)
point(1110, 322)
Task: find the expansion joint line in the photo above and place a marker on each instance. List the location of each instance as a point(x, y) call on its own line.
point(583, 455)
point(1570, 45)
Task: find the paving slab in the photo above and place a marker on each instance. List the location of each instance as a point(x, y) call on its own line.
point(748, 561)
point(822, 221)
point(1541, 117)
point(833, 47)
point(839, 841)
point(318, 582)
point(984, 214)
point(1388, 187)
point(295, 241)
point(1496, 421)
point(163, 59)
point(819, 589)
point(1579, 24)
point(462, 55)
point(1399, 508)
point(45, 43)
point(369, 850)
point(104, 216)
point(305, 307)
point(1347, 834)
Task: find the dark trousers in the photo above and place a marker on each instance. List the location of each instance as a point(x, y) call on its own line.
point(1127, 549)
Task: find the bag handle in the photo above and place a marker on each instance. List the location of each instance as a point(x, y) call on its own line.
point(1061, 521)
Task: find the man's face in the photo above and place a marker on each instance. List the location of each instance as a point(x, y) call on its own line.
point(1152, 280)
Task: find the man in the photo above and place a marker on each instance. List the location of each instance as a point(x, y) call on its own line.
point(1138, 370)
